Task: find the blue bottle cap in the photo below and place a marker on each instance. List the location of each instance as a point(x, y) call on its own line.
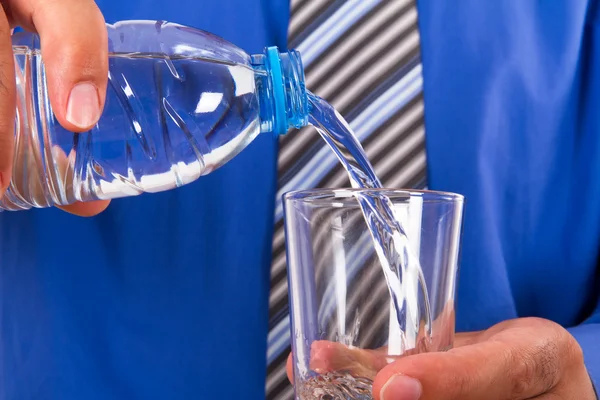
point(281, 125)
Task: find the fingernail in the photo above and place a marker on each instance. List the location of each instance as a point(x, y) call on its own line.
point(83, 107)
point(401, 387)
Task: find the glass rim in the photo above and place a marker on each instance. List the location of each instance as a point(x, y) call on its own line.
point(426, 195)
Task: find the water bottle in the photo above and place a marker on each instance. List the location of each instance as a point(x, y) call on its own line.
point(180, 103)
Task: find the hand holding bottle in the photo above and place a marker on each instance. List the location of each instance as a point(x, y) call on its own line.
point(157, 105)
point(74, 47)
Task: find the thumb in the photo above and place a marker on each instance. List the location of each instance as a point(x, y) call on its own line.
point(74, 48)
point(467, 373)
point(517, 363)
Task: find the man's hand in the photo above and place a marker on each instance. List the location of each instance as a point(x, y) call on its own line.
point(519, 359)
point(526, 358)
point(75, 51)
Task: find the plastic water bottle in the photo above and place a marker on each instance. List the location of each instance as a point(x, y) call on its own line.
point(180, 103)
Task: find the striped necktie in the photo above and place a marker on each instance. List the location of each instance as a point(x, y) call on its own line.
point(363, 56)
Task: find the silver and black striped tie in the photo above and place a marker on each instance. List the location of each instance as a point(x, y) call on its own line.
point(363, 56)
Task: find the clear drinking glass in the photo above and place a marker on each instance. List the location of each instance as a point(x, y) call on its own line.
point(344, 325)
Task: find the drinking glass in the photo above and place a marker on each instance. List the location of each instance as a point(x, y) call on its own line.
point(345, 324)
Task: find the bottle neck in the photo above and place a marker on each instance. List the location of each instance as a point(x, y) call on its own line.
point(281, 92)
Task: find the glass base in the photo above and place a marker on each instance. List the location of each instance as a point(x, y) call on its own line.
point(336, 386)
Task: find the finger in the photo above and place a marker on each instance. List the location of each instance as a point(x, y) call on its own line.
point(65, 172)
point(518, 362)
point(326, 356)
point(74, 47)
point(87, 209)
point(289, 368)
point(7, 103)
